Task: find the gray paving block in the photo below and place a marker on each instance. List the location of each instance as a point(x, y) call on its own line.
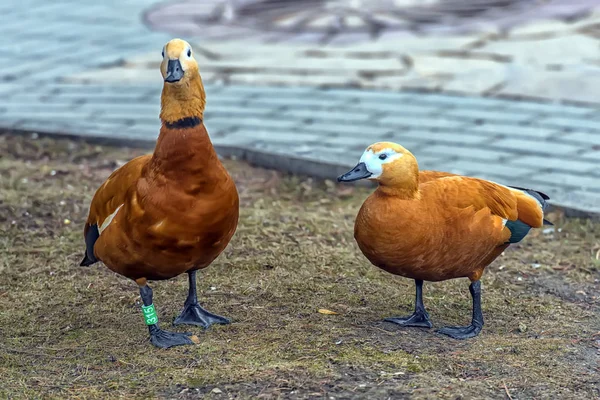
point(552, 109)
point(274, 136)
point(368, 96)
point(510, 129)
point(592, 155)
point(35, 111)
point(394, 108)
point(226, 98)
point(459, 102)
point(300, 102)
point(457, 137)
point(484, 169)
point(325, 128)
point(220, 125)
point(353, 145)
point(584, 137)
point(521, 146)
point(323, 115)
point(422, 122)
point(269, 91)
point(466, 152)
point(568, 123)
point(235, 111)
point(490, 115)
point(131, 109)
point(253, 121)
point(577, 181)
point(554, 163)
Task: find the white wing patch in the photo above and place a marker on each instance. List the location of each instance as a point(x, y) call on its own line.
point(108, 220)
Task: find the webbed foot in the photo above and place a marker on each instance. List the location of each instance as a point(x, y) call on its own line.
point(461, 332)
point(193, 314)
point(166, 339)
point(418, 319)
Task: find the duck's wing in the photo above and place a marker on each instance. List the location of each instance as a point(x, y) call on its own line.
point(107, 202)
point(520, 208)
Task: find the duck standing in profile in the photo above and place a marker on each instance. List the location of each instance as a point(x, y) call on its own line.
point(434, 226)
point(170, 212)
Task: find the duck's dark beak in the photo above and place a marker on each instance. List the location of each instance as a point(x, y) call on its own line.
point(356, 173)
point(174, 71)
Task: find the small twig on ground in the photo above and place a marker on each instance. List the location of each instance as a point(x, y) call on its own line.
point(506, 390)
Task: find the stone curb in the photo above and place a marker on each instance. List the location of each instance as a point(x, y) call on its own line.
point(284, 163)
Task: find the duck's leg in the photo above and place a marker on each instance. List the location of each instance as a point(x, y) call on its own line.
point(192, 313)
point(419, 318)
point(158, 337)
point(465, 332)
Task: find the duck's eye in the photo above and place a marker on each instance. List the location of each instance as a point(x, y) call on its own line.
point(382, 156)
point(163, 54)
point(189, 52)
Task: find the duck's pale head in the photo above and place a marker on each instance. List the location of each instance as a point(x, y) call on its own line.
point(386, 162)
point(183, 94)
point(178, 64)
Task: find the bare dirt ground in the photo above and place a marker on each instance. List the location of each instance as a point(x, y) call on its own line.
point(73, 332)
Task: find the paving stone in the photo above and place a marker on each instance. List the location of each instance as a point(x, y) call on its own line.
point(323, 115)
point(535, 147)
point(584, 138)
point(269, 91)
point(420, 122)
point(394, 108)
point(313, 102)
point(509, 129)
point(369, 96)
point(482, 169)
point(272, 136)
point(552, 109)
point(466, 152)
point(577, 181)
point(460, 102)
point(275, 123)
point(567, 123)
point(326, 128)
point(593, 155)
point(234, 111)
point(552, 163)
point(490, 115)
point(428, 136)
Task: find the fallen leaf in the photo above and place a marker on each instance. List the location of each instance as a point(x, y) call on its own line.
point(326, 312)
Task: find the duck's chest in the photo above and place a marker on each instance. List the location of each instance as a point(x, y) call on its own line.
point(396, 237)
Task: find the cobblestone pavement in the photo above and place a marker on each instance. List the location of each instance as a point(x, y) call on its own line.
point(305, 128)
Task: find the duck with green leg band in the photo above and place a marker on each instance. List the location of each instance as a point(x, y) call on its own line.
point(150, 314)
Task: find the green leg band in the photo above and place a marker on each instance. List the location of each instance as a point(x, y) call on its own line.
point(150, 314)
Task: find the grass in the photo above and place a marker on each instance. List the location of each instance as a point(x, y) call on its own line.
point(72, 332)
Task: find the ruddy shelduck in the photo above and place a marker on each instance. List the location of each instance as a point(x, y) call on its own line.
point(169, 212)
point(434, 226)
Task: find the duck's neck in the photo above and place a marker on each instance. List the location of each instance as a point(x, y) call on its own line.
point(183, 150)
point(405, 187)
point(403, 193)
point(179, 102)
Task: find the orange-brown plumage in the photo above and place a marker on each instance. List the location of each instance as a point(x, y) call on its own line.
point(179, 209)
point(172, 211)
point(433, 226)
